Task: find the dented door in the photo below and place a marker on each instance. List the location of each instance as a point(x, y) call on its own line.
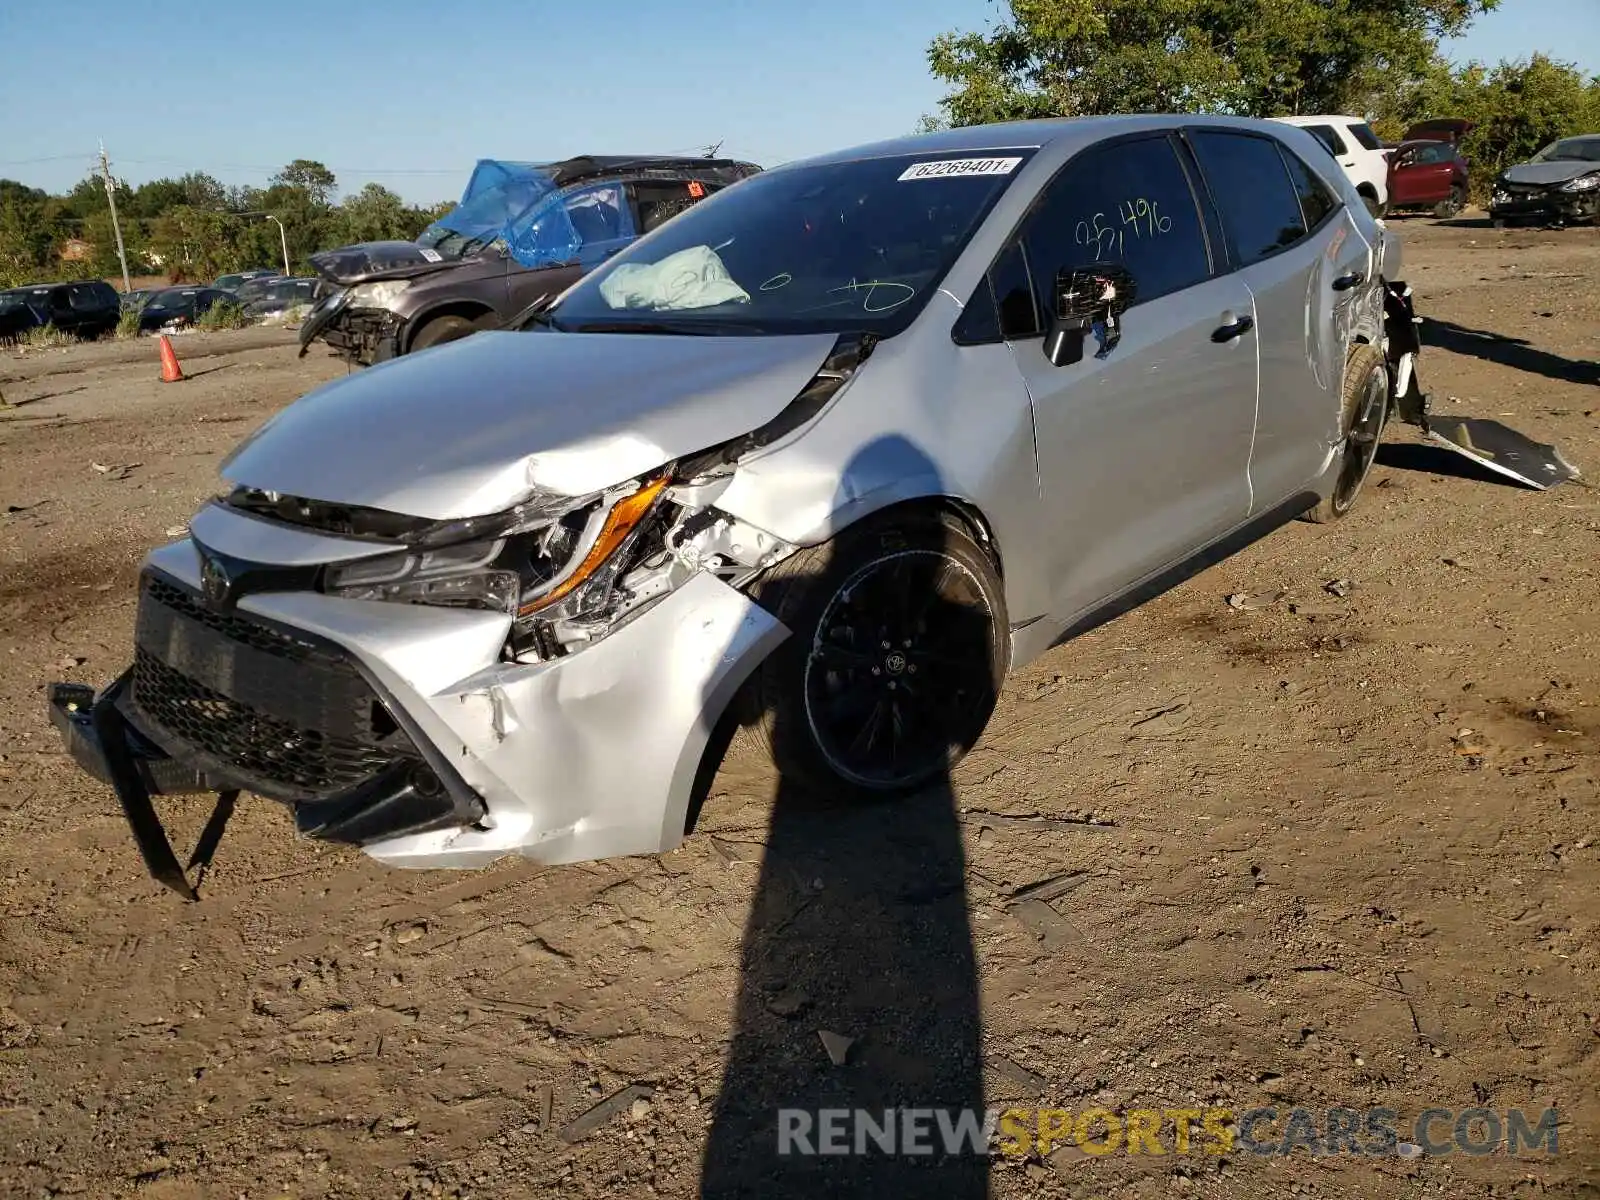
point(1305, 262)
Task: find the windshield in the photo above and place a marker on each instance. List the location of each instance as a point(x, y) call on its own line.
point(1578, 149)
point(834, 247)
point(485, 217)
point(174, 299)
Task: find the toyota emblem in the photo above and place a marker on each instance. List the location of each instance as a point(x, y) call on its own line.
point(215, 584)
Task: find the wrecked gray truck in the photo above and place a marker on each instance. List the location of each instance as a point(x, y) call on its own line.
point(830, 453)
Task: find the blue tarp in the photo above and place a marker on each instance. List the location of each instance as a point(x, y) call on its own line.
point(518, 205)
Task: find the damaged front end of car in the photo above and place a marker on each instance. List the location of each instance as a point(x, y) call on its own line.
point(541, 681)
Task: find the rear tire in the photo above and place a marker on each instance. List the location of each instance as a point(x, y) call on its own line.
point(1374, 208)
point(899, 645)
point(1452, 206)
point(440, 330)
point(1365, 409)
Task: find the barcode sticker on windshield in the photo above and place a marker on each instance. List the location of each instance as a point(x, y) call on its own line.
point(432, 255)
point(952, 167)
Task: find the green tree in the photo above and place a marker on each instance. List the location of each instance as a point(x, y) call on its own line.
point(309, 177)
point(1517, 108)
point(196, 244)
point(374, 214)
point(1252, 57)
point(31, 224)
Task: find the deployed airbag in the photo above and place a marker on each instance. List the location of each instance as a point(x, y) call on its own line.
point(692, 278)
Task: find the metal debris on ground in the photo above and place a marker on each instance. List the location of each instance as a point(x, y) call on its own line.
point(1503, 450)
point(597, 1116)
point(1338, 587)
point(837, 1046)
point(1046, 924)
point(1254, 601)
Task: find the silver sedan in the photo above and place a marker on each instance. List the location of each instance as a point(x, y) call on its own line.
point(828, 454)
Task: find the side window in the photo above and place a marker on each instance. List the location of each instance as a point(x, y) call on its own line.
point(1013, 294)
point(1002, 306)
point(657, 201)
point(599, 214)
point(1129, 203)
point(1260, 210)
point(1316, 198)
point(563, 226)
point(1329, 137)
point(1363, 134)
point(1434, 154)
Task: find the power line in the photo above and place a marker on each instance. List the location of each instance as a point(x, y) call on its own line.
point(23, 162)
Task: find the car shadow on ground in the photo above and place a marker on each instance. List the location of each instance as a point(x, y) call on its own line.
point(858, 984)
point(1507, 351)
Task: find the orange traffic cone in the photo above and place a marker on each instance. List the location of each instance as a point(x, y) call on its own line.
point(171, 372)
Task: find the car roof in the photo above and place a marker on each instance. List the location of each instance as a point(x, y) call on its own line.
point(1036, 134)
point(590, 166)
point(1322, 119)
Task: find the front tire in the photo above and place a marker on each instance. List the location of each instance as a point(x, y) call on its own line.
point(1365, 413)
point(899, 645)
point(440, 330)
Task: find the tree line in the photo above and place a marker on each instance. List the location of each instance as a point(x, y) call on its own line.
point(194, 228)
point(1379, 59)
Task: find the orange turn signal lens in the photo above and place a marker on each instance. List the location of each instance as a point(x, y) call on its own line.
point(623, 518)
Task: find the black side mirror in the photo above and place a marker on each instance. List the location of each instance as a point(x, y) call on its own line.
point(1084, 297)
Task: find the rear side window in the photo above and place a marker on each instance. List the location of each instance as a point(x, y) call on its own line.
point(658, 201)
point(1316, 198)
point(1329, 137)
point(1129, 203)
point(1363, 134)
point(1252, 189)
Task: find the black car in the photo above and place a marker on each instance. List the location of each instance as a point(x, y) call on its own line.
point(233, 282)
point(178, 306)
point(1559, 184)
point(521, 232)
point(272, 297)
point(85, 307)
point(134, 300)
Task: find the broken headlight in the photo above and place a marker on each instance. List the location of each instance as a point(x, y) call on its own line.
point(381, 294)
point(1584, 183)
point(550, 559)
point(458, 576)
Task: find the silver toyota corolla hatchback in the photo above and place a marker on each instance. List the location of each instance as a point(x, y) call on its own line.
point(830, 452)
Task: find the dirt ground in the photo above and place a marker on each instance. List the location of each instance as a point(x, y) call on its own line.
point(1339, 850)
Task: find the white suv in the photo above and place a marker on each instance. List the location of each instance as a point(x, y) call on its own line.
point(1360, 153)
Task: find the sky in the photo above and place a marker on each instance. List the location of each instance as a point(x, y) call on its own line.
point(410, 94)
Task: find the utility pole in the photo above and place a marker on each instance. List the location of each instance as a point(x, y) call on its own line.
point(116, 227)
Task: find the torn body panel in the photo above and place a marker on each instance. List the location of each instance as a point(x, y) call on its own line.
point(512, 757)
point(1489, 443)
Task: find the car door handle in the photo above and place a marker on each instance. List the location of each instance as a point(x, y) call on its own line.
point(1345, 282)
point(1238, 329)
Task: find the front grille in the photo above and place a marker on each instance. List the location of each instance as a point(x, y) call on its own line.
point(288, 717)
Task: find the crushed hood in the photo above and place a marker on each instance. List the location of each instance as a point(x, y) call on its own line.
point(378, 260)
point(1549, 172)
point(471, 427)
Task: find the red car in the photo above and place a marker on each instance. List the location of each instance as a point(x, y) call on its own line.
point(1427, 174)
